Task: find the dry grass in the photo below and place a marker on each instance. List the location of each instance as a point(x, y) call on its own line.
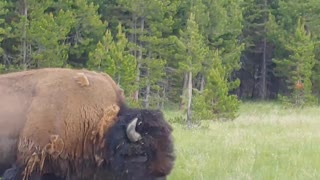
point(265, 142)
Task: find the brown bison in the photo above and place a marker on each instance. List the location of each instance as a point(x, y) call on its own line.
point(74, 124)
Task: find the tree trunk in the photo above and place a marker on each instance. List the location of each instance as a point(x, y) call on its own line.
point(24, 35)
point(118, 78)
point(184, 89)
point(163, 97)
point(264, 72)
point(147, 95)
point(136, 97)
point(133, 39)
point(264, 58)
point(189, 115)
point(146, 100)
point(136, 94)
point(158, 99)
point(202, 83)
point(135, 34)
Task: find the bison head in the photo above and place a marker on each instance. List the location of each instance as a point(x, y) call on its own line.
point(139, 145)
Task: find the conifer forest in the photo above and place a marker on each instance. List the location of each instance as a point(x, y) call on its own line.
point(202, 56)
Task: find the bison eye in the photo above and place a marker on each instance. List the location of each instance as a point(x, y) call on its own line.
point(139, 123)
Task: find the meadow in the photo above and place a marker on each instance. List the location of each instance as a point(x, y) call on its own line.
point(266, 141)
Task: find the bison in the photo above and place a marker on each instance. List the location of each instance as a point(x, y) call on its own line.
point(59, 123)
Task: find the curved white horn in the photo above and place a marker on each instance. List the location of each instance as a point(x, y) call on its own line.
point(132, 134)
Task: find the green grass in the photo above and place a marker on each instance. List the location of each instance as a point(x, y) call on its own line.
point(266, 141)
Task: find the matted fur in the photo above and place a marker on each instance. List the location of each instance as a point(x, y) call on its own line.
point(57, 118)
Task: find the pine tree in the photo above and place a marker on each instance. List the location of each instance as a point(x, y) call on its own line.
point(101, 59)
point(112, 56)
point(217, 34)
point(126, 65)
point(47, 33)
point(3, 26)
point(195, 52)
point(297, 67)
point(160, 24)
point(258, 52)
point(147, 25)
point(38, 34)
point(221, 33)
point(86, 31)
point(286, 15)
point(214, 102)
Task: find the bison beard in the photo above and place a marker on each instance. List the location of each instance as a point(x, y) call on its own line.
point(74, 124)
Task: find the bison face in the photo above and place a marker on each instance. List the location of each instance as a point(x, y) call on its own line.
point(139, 145)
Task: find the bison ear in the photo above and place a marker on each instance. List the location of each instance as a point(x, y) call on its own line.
point(82, 79)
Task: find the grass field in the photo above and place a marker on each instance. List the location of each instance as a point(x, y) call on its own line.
point(265, 142)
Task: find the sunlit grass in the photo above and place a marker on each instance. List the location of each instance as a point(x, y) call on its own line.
point(266, 141)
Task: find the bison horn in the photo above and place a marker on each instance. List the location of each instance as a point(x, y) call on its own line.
point(132, 134)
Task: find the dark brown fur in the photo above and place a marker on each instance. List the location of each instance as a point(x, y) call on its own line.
point(152, 156)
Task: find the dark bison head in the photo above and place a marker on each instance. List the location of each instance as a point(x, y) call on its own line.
point(139, 145)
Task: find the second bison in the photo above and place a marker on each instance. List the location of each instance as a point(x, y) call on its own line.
point(74, 124)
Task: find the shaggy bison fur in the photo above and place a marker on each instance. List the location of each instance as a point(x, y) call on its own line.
point(152, 156)
point(75, 125)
